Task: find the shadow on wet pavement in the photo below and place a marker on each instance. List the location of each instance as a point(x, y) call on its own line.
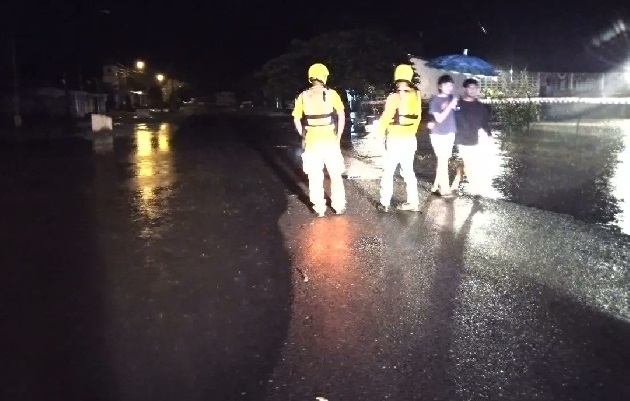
point(154, 271)
point(550, 347)
point(283, 160)
point(52, 283)
point(404, 306)
point(438, 334)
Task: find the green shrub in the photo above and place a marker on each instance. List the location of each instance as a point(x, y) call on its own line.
point(511, 116)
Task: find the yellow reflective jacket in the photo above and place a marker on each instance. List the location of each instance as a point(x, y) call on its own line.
point(318, 108)
point(402, 114)
point(408, 111)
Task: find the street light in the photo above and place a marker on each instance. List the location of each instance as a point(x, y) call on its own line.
point(159, 77)
point(140, 65)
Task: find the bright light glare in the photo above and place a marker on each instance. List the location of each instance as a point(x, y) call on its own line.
point(143, 142)
point(159, 77)
point(140, 65)
point(163, 138)
point(369, 128)
point(153, 170)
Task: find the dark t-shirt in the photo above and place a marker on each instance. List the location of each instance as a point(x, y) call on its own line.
point(470, 117)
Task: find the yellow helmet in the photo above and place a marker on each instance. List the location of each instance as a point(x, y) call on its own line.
point(319, 72)
point(404, 72)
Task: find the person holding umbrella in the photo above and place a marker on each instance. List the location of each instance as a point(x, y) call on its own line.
point(473, 132)
point(442, 109)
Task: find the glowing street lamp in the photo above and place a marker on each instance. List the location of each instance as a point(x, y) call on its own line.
point(140, 65)
point(159, 77)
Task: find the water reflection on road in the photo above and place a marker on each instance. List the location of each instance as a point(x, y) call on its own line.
point(581, 171)
point(154, 174)
point(327, 250)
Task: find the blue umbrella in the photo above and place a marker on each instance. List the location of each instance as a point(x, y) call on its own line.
point(463, 64)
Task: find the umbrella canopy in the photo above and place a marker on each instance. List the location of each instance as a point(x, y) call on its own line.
point(463, 64)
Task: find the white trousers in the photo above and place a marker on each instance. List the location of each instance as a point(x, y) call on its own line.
point(443, 147)
point(399, 151)
point(313, 163)
point(473, 158)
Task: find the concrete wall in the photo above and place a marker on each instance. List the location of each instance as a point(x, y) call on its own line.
point(101, 122)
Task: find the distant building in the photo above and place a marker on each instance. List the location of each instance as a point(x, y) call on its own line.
point(533, 83)
point(225, 99)
point(114, 76)
point(125, 93)
point(54, 102)
point(570, 84)
point(169, 89)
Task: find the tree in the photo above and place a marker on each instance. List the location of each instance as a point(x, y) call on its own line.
point(361, 61)
point(249, 88)
point(514, 116)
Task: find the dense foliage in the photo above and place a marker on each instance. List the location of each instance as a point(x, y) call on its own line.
point(360, 61)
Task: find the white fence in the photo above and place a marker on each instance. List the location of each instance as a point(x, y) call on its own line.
point(585, 100)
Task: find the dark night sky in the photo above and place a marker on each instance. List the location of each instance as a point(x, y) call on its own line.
point(212, 43)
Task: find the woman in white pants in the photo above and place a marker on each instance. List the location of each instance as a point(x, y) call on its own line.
point(442, 108)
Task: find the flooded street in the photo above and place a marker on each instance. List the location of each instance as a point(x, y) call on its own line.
point(181, 262)
point(581, 170)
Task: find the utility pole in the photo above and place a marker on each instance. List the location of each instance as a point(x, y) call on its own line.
point(80, 79)
point(68, 99)
point(172, 93)
point(17, 118)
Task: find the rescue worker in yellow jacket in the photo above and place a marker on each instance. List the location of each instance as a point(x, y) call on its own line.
point(313, 114)
point(400, 122)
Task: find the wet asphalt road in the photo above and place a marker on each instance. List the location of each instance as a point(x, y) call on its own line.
point(173, 267)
